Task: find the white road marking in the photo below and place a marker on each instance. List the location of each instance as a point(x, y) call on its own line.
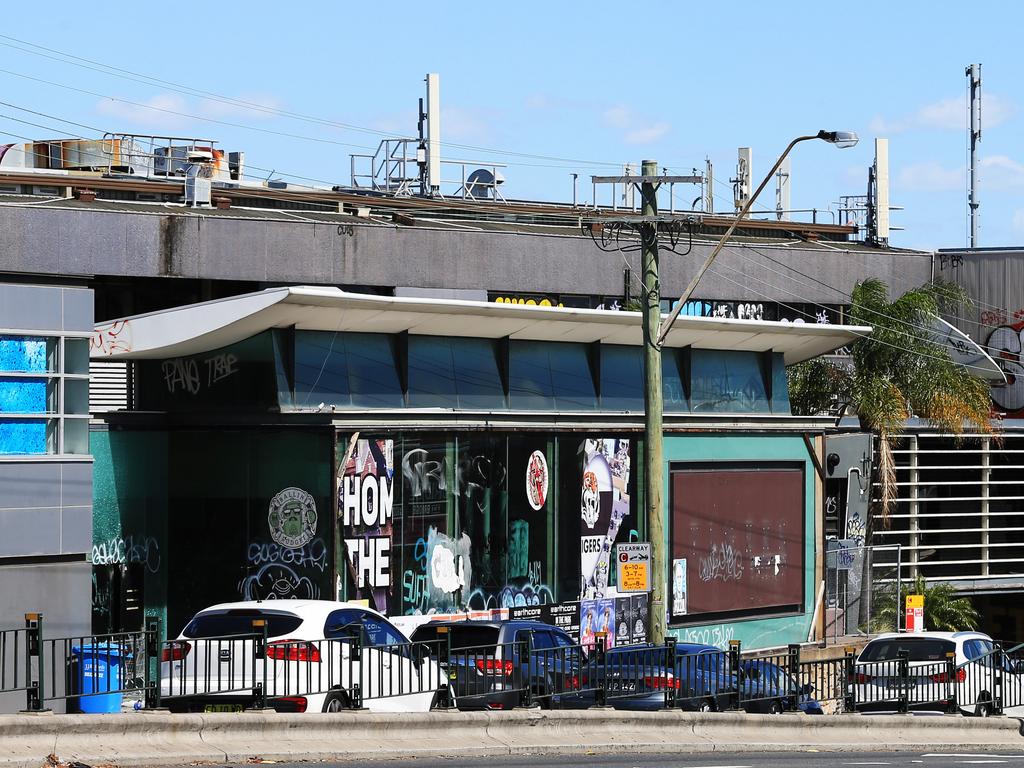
point(980, 762)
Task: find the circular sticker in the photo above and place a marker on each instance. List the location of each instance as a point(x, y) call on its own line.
point(292, 518)
point(537, 480)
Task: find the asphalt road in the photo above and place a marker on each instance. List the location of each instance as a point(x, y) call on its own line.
point(717, 760)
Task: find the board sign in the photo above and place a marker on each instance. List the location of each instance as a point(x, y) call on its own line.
point(633, 566)
point(915, 613)
point(679, 587)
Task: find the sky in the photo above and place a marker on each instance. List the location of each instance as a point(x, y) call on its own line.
point(551, 88)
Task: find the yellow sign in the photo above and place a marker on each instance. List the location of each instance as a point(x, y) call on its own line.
point(915, 601)
point(633, 577)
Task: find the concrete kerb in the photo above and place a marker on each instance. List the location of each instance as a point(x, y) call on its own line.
point(160, 738)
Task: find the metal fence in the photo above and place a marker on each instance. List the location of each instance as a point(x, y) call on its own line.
point(234, 672)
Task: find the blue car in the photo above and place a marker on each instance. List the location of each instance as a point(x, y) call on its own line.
point(636, 678)
point(767, 688)
point(706, 682)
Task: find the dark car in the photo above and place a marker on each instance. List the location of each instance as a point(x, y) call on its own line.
point(769, 689)
point(634, 677)
point(706, 682)
point(489, 667)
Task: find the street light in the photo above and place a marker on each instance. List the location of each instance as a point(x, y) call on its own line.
point(653, 395)
point(841, 139)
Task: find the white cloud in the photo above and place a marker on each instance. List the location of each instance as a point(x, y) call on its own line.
point(945, 115)
point(636, 129)
point(1018, 220)
point(1000, 172)
point(460, 124)
point(930, 176)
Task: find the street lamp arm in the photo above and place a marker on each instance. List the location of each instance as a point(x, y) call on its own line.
point(666, 324)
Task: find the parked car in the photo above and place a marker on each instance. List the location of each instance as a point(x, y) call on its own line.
point(877, 685)
point(214, 664)
point(769, 689)
point(488, 670)
point(707, 682)
point(635, 678)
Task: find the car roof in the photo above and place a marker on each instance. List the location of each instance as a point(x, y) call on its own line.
point(933, 635)
point(531, 623)
point(695, 647)
point(307, 610)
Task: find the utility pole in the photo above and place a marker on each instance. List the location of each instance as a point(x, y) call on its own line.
point(654, 476)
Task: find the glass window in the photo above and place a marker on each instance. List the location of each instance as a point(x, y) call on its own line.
point(622, 378)
point(321, 371)
point(919, 649)
point(477, 378)
point(25, 436)
point(673, 380)
point(76, 436)
point(726, 381)
point(239, 622)
point(780, 385)
point(380, 632)
point(25, 395)
point(550, 375)
point(76, 396)
point(27, 354)
point(431, 373)
point(372, 374)
point(76, 356)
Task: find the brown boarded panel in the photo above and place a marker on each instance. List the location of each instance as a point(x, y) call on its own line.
point(741, 530)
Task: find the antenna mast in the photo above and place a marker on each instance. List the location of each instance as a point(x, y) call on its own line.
point(973, 73)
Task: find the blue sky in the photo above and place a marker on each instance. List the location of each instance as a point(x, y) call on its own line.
point(600, 84)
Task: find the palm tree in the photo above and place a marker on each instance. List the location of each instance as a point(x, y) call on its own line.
point(943, 610)
point(897, 372)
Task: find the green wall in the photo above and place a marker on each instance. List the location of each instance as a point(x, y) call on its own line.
point(761, 632)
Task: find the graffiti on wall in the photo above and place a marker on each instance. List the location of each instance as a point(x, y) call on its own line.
point(604, 505)
point(124, 551)
point(443, 570)
point(1006, 346)
point(366, 511)
point(718, 635)
point(280, 564)
point(722, 563)
point(189, 374)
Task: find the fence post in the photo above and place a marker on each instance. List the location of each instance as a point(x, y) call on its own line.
point(355, 651)
point(903, 675)
point(998, 667)
point(670, 672)
point(953, 698)
point(601, 665)
point(152, 693)
point(444, 651)
point(793, 662)
point(259, 627)
point(33, 648)
point(523, 652)
point(735, 649)
point(850, 697)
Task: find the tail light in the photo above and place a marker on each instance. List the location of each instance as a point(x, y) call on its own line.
point(860, 678)
point(293, 703)
point(662, 682)
point(175, 651)
point(292, 650)
point(574, 683)
point(495, 666)
point(941, 677)
point(496, 705)
point(961, 675)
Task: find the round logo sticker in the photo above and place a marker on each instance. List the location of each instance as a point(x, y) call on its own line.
point(537, 480)
point(292, 518)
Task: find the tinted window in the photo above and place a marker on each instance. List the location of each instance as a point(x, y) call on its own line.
point(727, 381)
point(563, 641)
point(454, 373)
point(472, 636)
point(346, 369)
point(345, 622)
point(541, 639)
point(919, 649)
point(380, 632)
point(622, 379)
point(239, 622)
point(372, 374)
point(549, 375)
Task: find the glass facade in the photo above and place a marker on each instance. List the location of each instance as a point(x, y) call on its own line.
point(287, 370)
point(44, 395)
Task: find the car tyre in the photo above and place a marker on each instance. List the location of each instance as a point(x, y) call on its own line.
point(775, 708)
point(983, 708)
point(336, 701)
point(706, 706)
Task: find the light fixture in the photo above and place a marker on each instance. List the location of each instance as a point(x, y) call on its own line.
point(841, 139)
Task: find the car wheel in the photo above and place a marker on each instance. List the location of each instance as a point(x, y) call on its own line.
point(336, 701)
point(983, 708)
point(706, 706)
point(775, 708)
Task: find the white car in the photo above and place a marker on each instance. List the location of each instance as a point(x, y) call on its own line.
point(929, 685)
point(308, 666)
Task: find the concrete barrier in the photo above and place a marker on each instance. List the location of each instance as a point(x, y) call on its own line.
point(156, 738)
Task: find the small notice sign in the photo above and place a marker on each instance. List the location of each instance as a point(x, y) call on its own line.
point(915, 613)
point(633, 566)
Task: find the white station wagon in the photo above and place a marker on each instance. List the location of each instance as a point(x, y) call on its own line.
point(215, 663)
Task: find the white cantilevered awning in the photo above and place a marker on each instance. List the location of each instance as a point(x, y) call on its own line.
point(198, 328)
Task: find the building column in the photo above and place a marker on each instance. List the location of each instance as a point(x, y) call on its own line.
point(986, 474)
point(915, 506)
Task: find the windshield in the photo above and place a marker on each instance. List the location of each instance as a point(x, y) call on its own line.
point(919, 649)
point(471, 636)
point(239, 622)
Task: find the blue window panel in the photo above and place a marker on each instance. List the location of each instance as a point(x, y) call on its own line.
point(673, 384)
point(22, 436)
point(22, 395)
point(530, 385)
point(622, 379)
point(321, 370)
point(23, 354)
point(454, 373)
point(572, 377)
point(372, 373)
point(727, 382)
point(780, 385)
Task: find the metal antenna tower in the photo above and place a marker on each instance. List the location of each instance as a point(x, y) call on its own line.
point(973, 73)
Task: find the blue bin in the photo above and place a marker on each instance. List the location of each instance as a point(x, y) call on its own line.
point(99, 674)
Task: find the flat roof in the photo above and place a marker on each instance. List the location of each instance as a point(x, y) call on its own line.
point(198, 328)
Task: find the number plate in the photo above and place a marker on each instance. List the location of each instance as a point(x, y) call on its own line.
point(222, 708)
